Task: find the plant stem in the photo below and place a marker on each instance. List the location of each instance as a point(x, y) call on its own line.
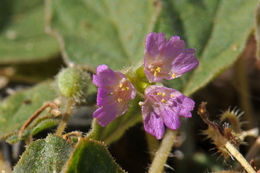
point(254, 149)
point(65, 118)
point(38, 112)
point(163, 152)
point(152, 144)
point(28, 140)
point(235, 153)
point(244, 91)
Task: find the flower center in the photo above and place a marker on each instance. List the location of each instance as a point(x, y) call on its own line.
point(163, 97)
point(155, 70)
point(122, 90)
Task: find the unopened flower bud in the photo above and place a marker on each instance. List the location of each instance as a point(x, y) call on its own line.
point(73, 83)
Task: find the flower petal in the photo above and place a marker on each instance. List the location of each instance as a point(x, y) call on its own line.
point(171, 118)
point(105, 77)
point(105, 114)
point(155, 43)
point(149, 74)
point(104, 97)
point(174, 47)
point(150, 89)
point(187, 106)
point(185, 62)
point(132, 90)
point(153, 124)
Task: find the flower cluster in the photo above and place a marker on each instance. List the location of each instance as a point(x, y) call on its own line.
point(162, 106)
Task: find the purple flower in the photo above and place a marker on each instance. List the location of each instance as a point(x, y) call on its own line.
point(167, 59)
point(114, 92)
point(163, 106)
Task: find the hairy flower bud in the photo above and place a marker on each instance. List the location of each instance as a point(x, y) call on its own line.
point(73, 83)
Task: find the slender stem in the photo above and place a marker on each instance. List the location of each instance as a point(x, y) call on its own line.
point(28, 140)
point(74, 133)
point(244, 92)
point(163, 152)
point(38, 112)
point(65, 118)
point(252, 132)
point(152, 144)
point(254, 149)
point(235, 153)
point(140, 94)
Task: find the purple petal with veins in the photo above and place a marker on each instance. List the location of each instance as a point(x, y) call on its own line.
point(163, 107)
point(114, 93)
point(167, 60)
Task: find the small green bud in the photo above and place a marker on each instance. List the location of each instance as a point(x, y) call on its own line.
point(140, 73)
point(73, 83)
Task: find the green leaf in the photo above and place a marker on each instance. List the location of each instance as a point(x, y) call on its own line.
point(16, 109)
point(218, 29)
point(102, 32)
point(92, 156)
point(22, 35)
point(45, 155)
point(45, 124)
point(35, 129)
point(33, 72)
point(116, 129)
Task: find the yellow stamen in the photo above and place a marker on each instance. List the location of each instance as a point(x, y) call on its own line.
point(172, 95)
point(123, 89)
point(121, 85)
point(152, 69)
point(163, 94)
point(159, 93)
point(119, 100)
point(163, 100)
point(158, 69)
point(127, 88)
point(155, 73)
point(173, 75)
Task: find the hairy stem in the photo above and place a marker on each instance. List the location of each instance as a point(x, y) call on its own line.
point(163, 152)
point(152, 144)
point(235, 153)
point(36, 114)
point(243, 90)
point(65, 118)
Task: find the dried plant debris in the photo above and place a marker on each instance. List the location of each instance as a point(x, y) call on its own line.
point(228, 128)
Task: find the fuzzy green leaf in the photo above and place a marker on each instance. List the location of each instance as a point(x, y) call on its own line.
point(16, 109)
point(218, 29)
point(102, 32)
point(45, 155)
point(92, 156)
point(35, 129)
point(22, 32)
